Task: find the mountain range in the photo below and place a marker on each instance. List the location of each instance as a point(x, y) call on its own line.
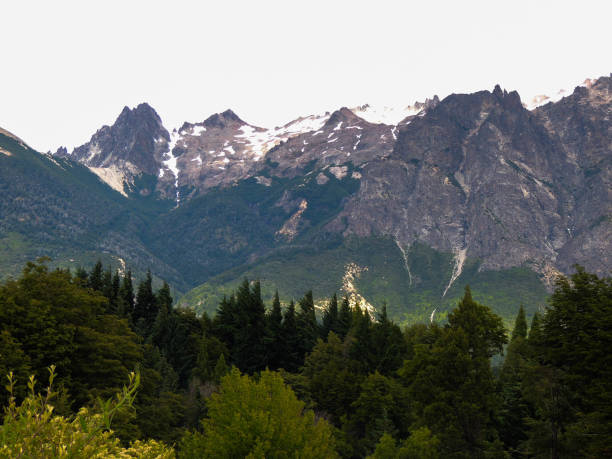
point(475, 188)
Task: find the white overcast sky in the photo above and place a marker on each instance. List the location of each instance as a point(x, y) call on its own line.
point(68, 67)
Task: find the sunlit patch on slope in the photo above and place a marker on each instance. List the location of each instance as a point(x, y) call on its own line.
point(290, 229)
point(460, 255)
point(352, 271)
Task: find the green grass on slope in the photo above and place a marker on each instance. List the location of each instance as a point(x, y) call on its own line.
point(383, 278)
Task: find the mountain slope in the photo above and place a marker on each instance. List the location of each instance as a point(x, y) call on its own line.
point(474, 188)
point(57, 207)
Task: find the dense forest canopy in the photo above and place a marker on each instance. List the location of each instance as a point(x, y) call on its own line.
point(273, 380)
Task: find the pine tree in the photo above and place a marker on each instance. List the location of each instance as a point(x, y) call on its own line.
point(330, 317)
point(95, 278)
point(274, 332)
point(126, 295)
point(451, 382)
point(226, 322)
point(291, 339)
point(161, 329)
point(82, 276)
point(389, 347)
point(520, 325)
point(249, 348)
point(515, 409)
point(345, 318)
point(308, 328)
point(145, 309)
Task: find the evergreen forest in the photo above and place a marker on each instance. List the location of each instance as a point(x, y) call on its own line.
point(98, 364)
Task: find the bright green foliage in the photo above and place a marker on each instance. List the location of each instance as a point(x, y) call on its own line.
point(421, 444)
point(32, 430)
point(258, 419)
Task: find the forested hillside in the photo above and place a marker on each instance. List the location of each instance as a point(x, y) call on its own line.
point(343, 385)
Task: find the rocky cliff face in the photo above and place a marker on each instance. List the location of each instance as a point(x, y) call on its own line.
point(132, 146)
point(477, 175)
point(482, 177)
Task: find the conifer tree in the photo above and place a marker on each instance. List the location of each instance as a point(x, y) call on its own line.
point(330, 317)
point(274, 332)
point(291, 349)
point(145, 309)
point(226, 322)
point(249, 347)
point(535, 332)
point(345, 318)
point(95, 277)
point(520, 325)
point(308, 329)
point(451, 382)
point(515, 409)
point(161, 330)
point(126, 295)
point(82, 276)
point(114, 299)
point(389, 347)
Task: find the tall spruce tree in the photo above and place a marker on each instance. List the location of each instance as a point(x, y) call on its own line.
point(126, 296)
point(249, 352)
point(451, 382)
point(274, 334)
point(515, 409)
point(345, 318)
point(145, 309)
point(95, 277)
point(291, 339)
point(330, 317)
point(308, 328)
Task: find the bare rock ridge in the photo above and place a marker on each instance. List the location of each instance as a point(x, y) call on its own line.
point(479, 175)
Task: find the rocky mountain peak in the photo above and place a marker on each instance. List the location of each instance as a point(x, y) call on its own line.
point(61, 152)
point(133, 145)
point(510, 100)
point(344, 115)
point(223, 120)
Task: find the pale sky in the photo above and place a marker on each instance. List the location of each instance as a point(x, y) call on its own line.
point(69, 67)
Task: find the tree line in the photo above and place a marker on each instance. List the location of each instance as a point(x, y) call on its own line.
point(332, 384)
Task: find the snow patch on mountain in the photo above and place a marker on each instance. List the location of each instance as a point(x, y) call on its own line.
point(170, 163)
point(386, 114)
